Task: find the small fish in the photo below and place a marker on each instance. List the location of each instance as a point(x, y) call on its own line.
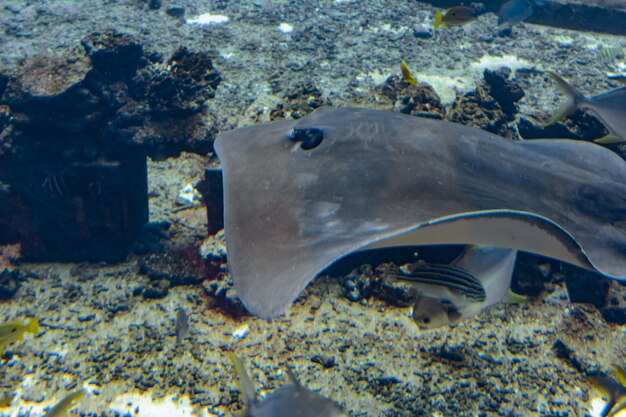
point(610, 54)
point(445, 278)
point(289, 400)
point(181, 326)
point(455, 16)
point(407, 75)
point(609, 107)
point(13, 331)
point(516, 11)
point(614, 388)
point(478, 278)
point(63, 406)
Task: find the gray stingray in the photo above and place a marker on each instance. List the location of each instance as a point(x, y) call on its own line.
point(300, 194)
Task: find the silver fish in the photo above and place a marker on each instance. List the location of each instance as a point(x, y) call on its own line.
point(181, 326)
point(287, 401)
point(609, 107)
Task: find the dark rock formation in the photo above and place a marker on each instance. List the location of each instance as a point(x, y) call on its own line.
point(299, 101)
point(585, 286)
point(416, 99)
point(615, 315)
point(9, 283)
point(491, 106)
point(75, 131)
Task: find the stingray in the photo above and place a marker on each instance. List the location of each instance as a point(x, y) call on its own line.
point(301, 194)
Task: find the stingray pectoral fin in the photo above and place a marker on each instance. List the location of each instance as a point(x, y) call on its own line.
point(502, 228)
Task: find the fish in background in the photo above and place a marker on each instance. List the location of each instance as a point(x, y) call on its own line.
point(287, 401)
point(13, 331)
point(609, 107)
point(455, 16)
point(515, 11)
point(181, 326)
point(480, 277)
point(63, 406)
point(609, 54)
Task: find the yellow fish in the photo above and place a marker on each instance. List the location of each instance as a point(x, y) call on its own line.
point(13, 331)
point(63, 406)
point(407, 75)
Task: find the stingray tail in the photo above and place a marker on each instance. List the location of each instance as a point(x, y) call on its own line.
point(245, 384)
point(574, 99)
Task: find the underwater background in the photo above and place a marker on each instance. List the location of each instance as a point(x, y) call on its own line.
point(111, 225)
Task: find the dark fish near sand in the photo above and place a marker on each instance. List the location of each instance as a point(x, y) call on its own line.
point(455, 16)
point(287, 401)
point(181, 326)
point(609, 107)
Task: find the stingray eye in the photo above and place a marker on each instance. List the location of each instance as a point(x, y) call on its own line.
point(309, 137)
point(426, 319)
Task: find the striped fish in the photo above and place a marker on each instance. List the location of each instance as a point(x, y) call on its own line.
point(453, 278)
point(610, 54)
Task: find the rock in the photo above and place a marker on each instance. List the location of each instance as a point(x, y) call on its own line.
point(419, 100)
point(75, 131)
point(326, 361)
point(491, 106)
point(478, 108)
point(9, 283)
point(531, 272)
point(615, 315)
point(299, 101)
point(585, 286)
point(506, 92)
point(176, 11)
point(157, 290)
point(179, 266)
point(580, 125)
point(422, 32)
point(115, 55)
